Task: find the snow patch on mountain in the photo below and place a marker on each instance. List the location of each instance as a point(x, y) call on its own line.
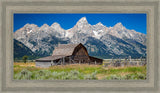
point(30, 31)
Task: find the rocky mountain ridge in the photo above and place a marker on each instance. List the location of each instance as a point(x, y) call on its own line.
point(100, 41)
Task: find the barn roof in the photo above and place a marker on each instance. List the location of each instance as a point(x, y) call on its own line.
point(91, 57)
point(50, 58)
point(65, 49)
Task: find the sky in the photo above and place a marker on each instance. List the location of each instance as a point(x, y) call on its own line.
point(136, 21)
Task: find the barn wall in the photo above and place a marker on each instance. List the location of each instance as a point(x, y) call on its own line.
point(81, 54)
point(43, 64)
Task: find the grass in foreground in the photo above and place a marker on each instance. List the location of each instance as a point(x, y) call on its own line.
point(28, 71)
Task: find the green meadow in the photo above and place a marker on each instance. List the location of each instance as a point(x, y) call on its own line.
point(28, 71)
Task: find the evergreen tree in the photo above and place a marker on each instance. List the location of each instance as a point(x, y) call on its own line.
point(25, 58)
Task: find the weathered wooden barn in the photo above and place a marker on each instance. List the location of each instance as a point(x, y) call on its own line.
point(68, 54)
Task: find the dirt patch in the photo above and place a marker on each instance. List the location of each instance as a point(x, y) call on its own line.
point(100, 76)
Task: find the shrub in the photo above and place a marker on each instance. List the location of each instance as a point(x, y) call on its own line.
point(87, 77)
point(24, 74)
point(94, 75)
point(75, 72)
point(113, 77)
point(91, 76)
point(42, 74)
point(141, 76)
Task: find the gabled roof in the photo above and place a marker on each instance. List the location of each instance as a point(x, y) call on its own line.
point(65, 49)
point(61, 51)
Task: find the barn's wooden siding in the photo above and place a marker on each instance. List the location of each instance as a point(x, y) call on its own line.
point(80, 55)
point(43, 64)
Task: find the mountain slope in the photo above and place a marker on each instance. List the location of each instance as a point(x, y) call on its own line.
point(20, 50)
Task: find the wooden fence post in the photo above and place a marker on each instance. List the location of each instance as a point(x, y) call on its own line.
point(69, 60)
point(112, 64)
point(125, 62)
point(95, 62)
point(51, 62)
point(141, 61)
point(129, 60)
point(145, 61)
point(63, 60)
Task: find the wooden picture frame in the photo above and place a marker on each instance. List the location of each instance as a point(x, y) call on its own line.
point(9, 7)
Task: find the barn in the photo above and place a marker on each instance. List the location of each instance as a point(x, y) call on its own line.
point(68, 54)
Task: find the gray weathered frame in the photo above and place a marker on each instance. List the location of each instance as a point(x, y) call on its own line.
point(150, 7)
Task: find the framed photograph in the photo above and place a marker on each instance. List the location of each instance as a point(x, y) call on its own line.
point(80, 46)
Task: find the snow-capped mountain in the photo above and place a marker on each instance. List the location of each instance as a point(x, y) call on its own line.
point(102, 41)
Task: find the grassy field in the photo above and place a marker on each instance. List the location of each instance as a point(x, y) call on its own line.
point(28, 71)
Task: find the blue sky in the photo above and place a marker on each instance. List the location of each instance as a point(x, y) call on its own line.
point(136, 21)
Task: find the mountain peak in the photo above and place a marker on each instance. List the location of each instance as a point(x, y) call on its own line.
point(99, 24)
point(54, 24)
point(83, 20)
point(45, 25)
point(119, 24)
point(28, 25)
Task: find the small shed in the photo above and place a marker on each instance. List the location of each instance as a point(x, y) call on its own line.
point(68, 54)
